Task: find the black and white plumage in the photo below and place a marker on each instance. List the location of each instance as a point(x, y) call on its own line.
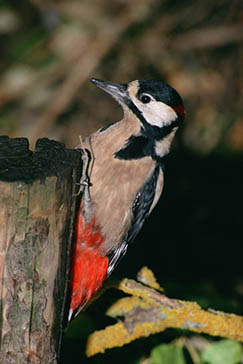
point(126, 180)
point(128, 160)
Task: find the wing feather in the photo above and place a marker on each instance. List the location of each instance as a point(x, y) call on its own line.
point(140, 210)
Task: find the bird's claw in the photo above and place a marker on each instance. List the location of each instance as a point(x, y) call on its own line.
point(84, 182)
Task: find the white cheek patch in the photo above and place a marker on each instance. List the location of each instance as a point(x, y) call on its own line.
point(156, 113)
point(162, 147)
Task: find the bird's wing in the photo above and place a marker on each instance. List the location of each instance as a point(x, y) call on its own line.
point(140, 210)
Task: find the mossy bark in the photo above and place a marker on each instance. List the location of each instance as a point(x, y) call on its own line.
point(36, 226)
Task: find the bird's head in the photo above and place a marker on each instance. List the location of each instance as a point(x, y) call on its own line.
point(155, 101)
point(158, 107)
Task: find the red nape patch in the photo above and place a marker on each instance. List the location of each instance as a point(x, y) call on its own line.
point(89, 268)
point(179, 109)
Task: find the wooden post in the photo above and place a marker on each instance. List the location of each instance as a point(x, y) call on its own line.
point(37, 212)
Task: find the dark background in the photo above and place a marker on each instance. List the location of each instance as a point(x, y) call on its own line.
point(193, 239)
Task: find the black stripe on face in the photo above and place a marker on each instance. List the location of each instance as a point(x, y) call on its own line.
point(143, 144)
point(152, 131)
point(135, 110)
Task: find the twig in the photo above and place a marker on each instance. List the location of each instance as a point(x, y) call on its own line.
point(208, 37)
point(148, 312)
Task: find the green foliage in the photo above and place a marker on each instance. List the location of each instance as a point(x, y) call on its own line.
point(222, 352)
point(167, 354)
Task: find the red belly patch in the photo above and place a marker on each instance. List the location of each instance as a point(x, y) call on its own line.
point(89, 268)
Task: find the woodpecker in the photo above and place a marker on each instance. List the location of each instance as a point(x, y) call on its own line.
point(124, 180)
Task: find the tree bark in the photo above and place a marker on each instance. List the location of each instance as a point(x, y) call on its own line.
point(37, 212)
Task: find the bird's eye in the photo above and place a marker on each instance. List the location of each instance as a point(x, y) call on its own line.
point(145, 99)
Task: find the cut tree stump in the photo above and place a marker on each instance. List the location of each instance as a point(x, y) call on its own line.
point(37, 212)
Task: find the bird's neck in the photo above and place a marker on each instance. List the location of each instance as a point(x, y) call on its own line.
point(140, 146)
point(136, 147)
point(147, 140)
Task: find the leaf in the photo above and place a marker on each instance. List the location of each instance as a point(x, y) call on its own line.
point(222, 352)
point(167, 354)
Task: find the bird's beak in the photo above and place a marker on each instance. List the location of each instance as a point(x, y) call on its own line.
point(118, 91)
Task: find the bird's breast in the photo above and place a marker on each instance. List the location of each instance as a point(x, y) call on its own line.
point(115, 182)
point(114, 185)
